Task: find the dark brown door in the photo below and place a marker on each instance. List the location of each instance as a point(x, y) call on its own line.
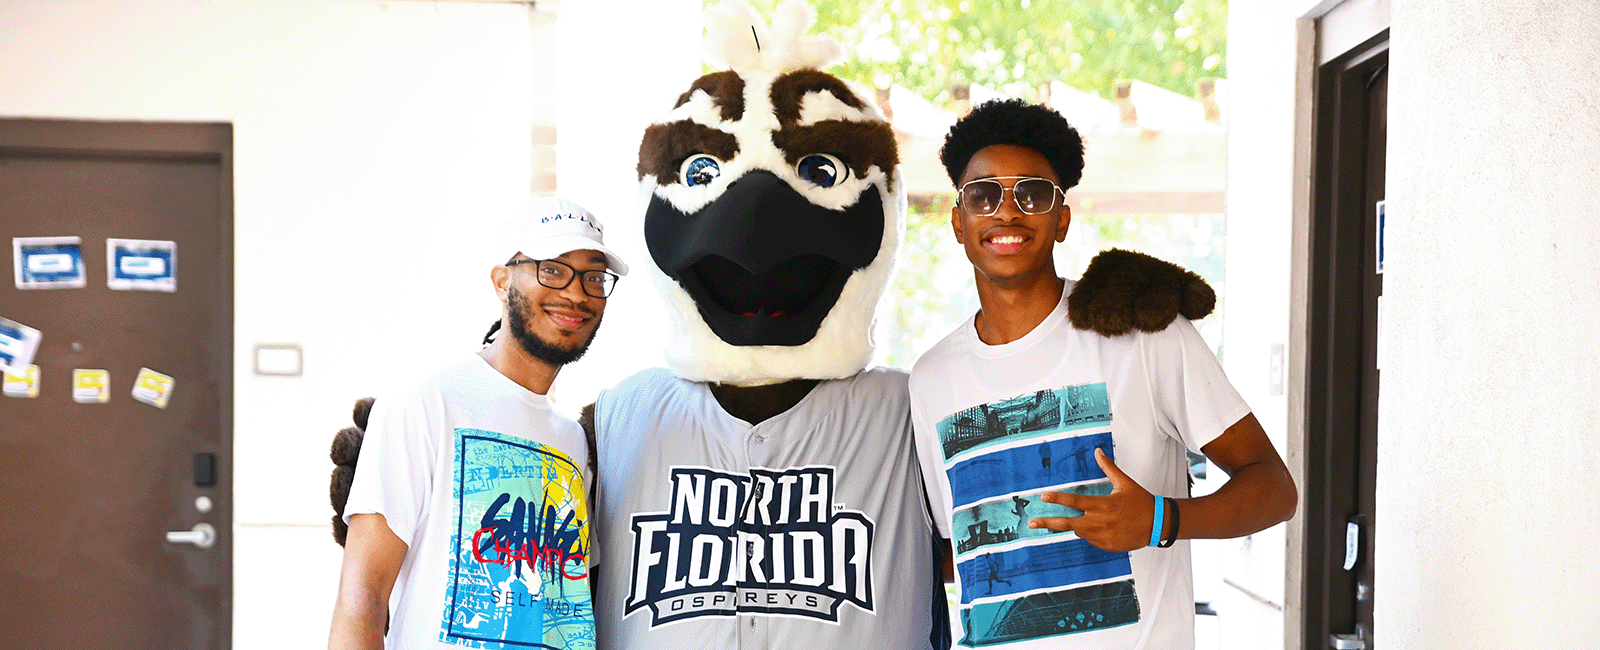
point(1343, 362)
point(92, 489)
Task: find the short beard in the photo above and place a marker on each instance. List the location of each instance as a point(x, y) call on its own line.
point(517, 305)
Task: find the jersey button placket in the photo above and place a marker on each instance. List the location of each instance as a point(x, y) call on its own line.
point(754, 635)
point(756, 451)
point(757, 632)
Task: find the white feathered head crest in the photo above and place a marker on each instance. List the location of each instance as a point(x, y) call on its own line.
point(773, 206)
point(737, 39)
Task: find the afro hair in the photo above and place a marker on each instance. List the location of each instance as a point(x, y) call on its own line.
point(1015, 122)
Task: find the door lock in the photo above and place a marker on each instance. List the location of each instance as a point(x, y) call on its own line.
point(202, 535)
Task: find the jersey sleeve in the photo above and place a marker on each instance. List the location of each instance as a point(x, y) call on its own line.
point(591, 504)
point(1193, 398)
point(395, 469)
point(597, 488)
point(929, 457)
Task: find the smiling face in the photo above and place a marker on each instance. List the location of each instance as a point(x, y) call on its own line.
point(1010, 248)
point(553, 325)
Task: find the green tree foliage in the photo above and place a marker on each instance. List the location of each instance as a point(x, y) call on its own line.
point(932, 289)
point(1019, 46)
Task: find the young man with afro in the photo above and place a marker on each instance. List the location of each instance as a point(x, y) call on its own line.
point(1102, 562)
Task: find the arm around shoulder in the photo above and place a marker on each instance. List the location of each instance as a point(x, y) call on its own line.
point(1259, 492)
point(372, 558)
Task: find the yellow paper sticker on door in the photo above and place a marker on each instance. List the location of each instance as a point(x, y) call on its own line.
point(152, 388)
point(91, 386)
point(22, 381)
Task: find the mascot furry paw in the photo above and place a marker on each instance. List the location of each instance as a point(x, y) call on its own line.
point(1122, 290)
point(344, 453)
point(765, 488)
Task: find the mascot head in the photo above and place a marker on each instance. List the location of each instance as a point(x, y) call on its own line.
point(773, 207)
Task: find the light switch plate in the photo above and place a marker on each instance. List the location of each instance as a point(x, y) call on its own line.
point(278, 360)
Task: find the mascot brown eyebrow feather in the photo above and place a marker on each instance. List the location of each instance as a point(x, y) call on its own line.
point(765, 488)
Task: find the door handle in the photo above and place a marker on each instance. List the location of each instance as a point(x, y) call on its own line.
point(1347, 642)
point(202, 535)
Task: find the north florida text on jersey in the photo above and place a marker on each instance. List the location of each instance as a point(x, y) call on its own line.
point(772, 542)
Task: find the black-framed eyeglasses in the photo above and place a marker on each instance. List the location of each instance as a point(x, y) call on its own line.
point(557, 274)
point(1034, 195)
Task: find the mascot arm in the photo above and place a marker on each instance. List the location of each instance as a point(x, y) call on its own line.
point(586, 420)
point(1124, 290)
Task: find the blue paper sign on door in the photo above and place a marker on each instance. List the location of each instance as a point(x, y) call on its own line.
point(47, 262)
point(141, 265)
point(18, 343)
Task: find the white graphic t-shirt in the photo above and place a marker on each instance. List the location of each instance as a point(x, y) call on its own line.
point(485, 485)
point(997, 425)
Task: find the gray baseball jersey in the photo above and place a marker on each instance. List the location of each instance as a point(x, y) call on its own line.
point(809, 529)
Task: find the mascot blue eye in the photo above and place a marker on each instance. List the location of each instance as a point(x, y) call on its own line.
point(822, 170)
point(700, 169)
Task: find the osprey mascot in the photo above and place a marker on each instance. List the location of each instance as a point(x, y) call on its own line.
point(764, 491)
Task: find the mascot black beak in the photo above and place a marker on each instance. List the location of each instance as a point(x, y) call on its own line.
point(763, 263)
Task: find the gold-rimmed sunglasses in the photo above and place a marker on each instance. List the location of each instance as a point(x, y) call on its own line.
point(1034, 195)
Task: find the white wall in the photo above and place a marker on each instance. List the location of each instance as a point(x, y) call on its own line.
point(1263, 60)
point(1488, 466)
point(368, 138)
point(1489, 462)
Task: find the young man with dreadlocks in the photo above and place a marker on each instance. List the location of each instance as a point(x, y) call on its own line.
point(1101, 564)
point(470, 500)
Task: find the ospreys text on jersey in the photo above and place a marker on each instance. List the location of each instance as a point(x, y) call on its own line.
point(773, 542)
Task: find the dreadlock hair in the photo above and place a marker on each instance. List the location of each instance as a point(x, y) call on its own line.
point(1015, 122)
point(489, 336)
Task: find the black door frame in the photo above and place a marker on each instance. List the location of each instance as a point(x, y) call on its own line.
point(1341, 399)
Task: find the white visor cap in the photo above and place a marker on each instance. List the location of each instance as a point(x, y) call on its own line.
point(547, 228)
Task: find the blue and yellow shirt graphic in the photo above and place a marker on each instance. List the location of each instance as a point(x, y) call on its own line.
point(518, 574)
